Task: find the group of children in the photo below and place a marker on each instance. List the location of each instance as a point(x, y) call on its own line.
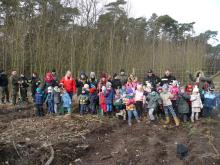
point(58, 101)
point(131, 100)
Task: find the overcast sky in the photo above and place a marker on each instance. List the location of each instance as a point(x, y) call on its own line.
point(206, 13)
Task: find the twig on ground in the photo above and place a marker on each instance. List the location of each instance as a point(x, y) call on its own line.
point(50, 160)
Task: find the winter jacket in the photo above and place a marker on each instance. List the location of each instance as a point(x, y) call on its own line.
point(167, 79)
point(39, 98)
point(174, 90)
point(209, 100)
point(50, 98)
point(196, 101)
point(166, 98)
point(139, 95)
point(116, 84)
point(35, 82)
point(66, 100)
point(130, 103)
point(80, 84)
point(23, 82)
point(182, 103)
point(69, 84)
point(153, 100)
point(153, 80)
point(14, 82)
point(93, 98)
point(132, 85)
point(93, 82)
point(83, 99)
point(109, 96)
point(123, 79)
point(57, 97)
point(3, 80)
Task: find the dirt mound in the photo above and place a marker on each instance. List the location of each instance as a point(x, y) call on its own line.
point(93, 140)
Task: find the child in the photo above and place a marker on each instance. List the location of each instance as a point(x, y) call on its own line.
point(167, 104)
point(174, 90)
point(139, 95)
point(130, 106)
point(102, 103)
point(93, 100)
point(182, 104)
point(154, 100)
point(119, 106)
point(209, 102)
point(57, 99)
point(109, 96)
point(83, 101)
point(66, 102)
point(39, 102)
point(196, 103)
point(50, 100)
point(23, 84)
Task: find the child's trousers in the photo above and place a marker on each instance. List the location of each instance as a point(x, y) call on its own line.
point(194, 115)
point(40, 111)
point(170, 109)
point(50, 107)
point(150, 112)
point(83, 109)
point(56, 108)
point(130, 113)
point(139, 107)
point(109, 107)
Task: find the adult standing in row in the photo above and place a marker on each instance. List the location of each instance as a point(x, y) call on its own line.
point(152, 79)
point(69, 84)
point(168, 78)
point(4, 86)
point(15, 86)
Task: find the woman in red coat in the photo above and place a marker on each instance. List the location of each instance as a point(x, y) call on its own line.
point(69, 83)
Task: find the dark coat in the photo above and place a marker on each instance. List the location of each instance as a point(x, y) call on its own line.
point(154, 80)
point(182, 103)
point(116, 83)
point(3, 80)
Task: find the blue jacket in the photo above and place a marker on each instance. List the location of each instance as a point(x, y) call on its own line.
point(93, 98)
point(209, 100)
point(50, 98)
point(39, 98)
point(66, 100)
point(109, 96)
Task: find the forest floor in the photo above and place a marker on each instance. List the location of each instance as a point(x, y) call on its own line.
point(89, 140)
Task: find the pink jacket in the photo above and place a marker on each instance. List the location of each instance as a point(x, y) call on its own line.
point(139, 96)
point(174, 90)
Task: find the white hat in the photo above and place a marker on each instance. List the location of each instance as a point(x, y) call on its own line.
point(108, 84)
point(195, 89)
point(50, 89)
point(175, 82)
point(92, 74)
point(86, 86)
point(103, 88)
point(149, 85)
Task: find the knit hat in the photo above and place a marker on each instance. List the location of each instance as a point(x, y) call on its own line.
point(38, 90)
point(195, 89)
point(86, 86)
point(175, 82)
point(50, 89)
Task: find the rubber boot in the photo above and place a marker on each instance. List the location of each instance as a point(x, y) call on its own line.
point(167, 120)
point(177, 122)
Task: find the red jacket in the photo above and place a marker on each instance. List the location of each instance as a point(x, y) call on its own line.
point(69, 84)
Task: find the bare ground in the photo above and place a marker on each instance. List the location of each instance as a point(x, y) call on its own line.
point(26, 139)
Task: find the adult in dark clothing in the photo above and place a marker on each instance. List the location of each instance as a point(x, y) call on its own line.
point(123, 77)
point(35, 82)
point(116, 82)
point(168, 78)
point(15, 86)
point(55, 78)
point(23, 84)
point(81, 82)
point(93, 82)
point(152, 79)
point(4, 86)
